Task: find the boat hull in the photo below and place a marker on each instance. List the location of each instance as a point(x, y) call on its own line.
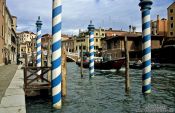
point(113, 64)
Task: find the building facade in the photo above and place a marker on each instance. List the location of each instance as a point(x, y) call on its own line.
point(113, 46)
point(27, 40)
point(82, 41)
point(2, 32)
point(10, 45)
point(8, 31)
point(159, 27)
point(99, 34)
point(171, 20)
point(8, 38)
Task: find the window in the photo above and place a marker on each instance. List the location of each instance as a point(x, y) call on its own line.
point(3, 9)
point(172, 25)
point(84, 47)
point(171, 33)
point(102, 34)
point(115, 44)
point(171, 10)
point(2, 30)
point(96, 40)
point(96, 34)
point(96, 47)
point(171, 18)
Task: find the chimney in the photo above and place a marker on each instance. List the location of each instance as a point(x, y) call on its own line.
point(110, 29)
point(130, 28)
point(158, 17)
point(134, 29)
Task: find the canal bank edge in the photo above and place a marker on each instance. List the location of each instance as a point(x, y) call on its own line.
point(14, 99)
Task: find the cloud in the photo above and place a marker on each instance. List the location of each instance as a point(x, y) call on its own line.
point(118, 14)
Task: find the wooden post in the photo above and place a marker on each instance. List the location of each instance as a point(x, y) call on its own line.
point(49, 60)
point(81, 61)
point(33, 60)
point(64, 73)
point(127, 79)
point(25, 70)
point(42, 58)
point(26, 60)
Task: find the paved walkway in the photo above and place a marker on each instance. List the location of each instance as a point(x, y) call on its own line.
point(7, 72)
point(13, 100)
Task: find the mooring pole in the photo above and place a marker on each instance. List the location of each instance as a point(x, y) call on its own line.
point(26, 60)
point(56, 54)
point(146, 45)
point(81, 60)
point(127, 78)
point(49, 59)
point(33, 53)
point(91, 49)
point(78, 51)
point(64, 73)
point(39, 51)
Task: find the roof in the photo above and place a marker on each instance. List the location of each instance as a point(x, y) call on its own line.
point(47, 35)
point(8, 12)
point(134, 36)
point(171, 5)
point(27, 32)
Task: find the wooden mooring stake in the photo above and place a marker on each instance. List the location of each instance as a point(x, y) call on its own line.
point(127, 78)
point(81, 61)
point(64, 73)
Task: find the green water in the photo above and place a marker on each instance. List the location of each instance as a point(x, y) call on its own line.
point(105, 93)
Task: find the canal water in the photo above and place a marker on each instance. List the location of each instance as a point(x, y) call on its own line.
point(105, 93)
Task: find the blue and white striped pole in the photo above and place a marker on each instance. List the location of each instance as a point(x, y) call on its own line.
point(91, 49)
point(56, 54)
point(38, 61)
point(146, 45)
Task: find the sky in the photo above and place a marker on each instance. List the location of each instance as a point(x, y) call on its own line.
point(76, 14)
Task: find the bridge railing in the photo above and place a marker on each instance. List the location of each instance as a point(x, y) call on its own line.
point(72, 54)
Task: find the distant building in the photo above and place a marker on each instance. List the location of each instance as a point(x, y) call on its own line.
point(171, 20)
point(68, 43)
point(46, 47)
point(159, 27)
point(110, 32)
point(113, 46)
point(81, 42)
point(99, 34)
point(26, 39)
point(83, 39)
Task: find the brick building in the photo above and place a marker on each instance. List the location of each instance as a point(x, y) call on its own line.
point(159, 27)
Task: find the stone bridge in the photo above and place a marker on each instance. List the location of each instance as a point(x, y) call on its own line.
point(72, 56)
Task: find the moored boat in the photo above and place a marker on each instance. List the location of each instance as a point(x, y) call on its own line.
point(105, 65)
point(139, 65)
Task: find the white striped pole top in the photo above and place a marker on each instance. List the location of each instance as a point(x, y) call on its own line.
point(91, 49)
point(56, 54)
point(39, 24)
point(146, 45)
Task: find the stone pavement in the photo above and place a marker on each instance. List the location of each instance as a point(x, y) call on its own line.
point(7, 72)
point(13, 100)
